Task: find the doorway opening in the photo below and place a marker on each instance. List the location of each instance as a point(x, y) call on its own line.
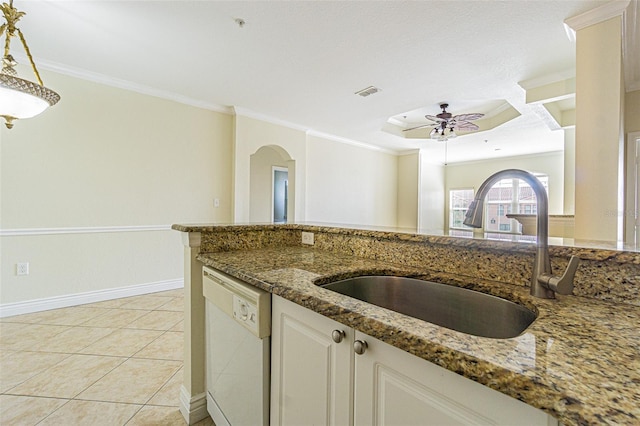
point(631, 214)
point(280, 194)
point(272, 189)
point(636, 205)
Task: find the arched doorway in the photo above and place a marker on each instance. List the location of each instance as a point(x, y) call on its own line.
point(272, 183)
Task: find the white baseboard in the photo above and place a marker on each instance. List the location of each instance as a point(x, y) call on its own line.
point(193, 408)
point(37, 305)
point(216, 413)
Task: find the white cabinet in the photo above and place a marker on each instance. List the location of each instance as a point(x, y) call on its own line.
point(317, 381)
point(393, 387)
point(311, 380)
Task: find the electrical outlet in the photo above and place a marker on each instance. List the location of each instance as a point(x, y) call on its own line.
point(307, 238)
point(216, 202)
point(22, 268)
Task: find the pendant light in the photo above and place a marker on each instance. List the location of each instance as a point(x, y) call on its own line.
point(19, 98)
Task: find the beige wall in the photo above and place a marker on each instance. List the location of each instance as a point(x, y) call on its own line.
point(107, 158)
point(632, 112)
point(569, 206)
point(599, 103)
point(250, 135)
point(432, 196)
point(111, 159)
point(349, 184)
point(262, 163)
point(408, 181)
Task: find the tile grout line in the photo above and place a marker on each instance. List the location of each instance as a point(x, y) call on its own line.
point(45, 417)
point(164, 331)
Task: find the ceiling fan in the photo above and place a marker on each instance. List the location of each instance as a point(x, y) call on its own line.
point(445, 120)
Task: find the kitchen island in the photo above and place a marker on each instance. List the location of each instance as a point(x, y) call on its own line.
point(578, 361)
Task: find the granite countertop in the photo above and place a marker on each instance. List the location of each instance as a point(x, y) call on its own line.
point(579, 361)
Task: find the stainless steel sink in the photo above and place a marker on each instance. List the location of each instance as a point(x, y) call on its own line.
point(457, 308)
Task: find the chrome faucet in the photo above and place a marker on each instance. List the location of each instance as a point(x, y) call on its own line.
point(543, 283)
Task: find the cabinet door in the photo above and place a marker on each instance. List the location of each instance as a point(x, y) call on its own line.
point(311, 374)
point(393, 387)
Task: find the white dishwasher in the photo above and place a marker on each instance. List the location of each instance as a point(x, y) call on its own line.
point(238, 326)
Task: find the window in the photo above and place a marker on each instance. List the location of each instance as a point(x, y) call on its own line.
point(507, 196)
point(459, 200)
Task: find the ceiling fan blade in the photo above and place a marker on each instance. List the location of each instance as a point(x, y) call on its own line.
point(434, 118)
point(466, 126)
point(418, 127)
point(468, 117)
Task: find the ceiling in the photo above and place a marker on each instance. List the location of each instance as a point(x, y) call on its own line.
point(300, 62)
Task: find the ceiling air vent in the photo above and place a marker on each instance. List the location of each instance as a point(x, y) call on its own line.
point(367, 91)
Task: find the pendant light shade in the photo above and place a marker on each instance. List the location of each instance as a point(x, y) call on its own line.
point(20, 98)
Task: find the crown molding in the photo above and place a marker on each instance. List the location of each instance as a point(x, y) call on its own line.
point(409, 152)
point(245, 112)
point(350, 142)
point(629, 11)
point(233, 110)
point(508, 158)
point(543, 80)
point(597, 15)
point(126, 85)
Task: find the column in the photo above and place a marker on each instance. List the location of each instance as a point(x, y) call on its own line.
point(193, 402)
point(599, 91)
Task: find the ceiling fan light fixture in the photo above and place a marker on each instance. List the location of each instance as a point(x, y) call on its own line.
point(445, 124)
point(441, 135)
point(19, 98)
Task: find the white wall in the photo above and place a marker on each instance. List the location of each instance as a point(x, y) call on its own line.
point(472, 174)
point(111, 159)
point(348, 184)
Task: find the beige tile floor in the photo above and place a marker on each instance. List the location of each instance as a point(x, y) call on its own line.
point(117, 362)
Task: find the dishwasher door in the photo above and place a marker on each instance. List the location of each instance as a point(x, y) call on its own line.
point(237, 351)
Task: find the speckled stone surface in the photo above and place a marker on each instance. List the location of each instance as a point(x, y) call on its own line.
point(604, 274)
point(579, 361)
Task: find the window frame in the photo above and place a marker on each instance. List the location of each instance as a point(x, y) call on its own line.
point(463, 230)
point(515, 204)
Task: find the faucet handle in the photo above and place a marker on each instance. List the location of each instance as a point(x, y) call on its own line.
point(564, 284)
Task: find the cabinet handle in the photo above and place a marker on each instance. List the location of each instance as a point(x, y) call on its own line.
point(338, 335)
point(360, 346)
